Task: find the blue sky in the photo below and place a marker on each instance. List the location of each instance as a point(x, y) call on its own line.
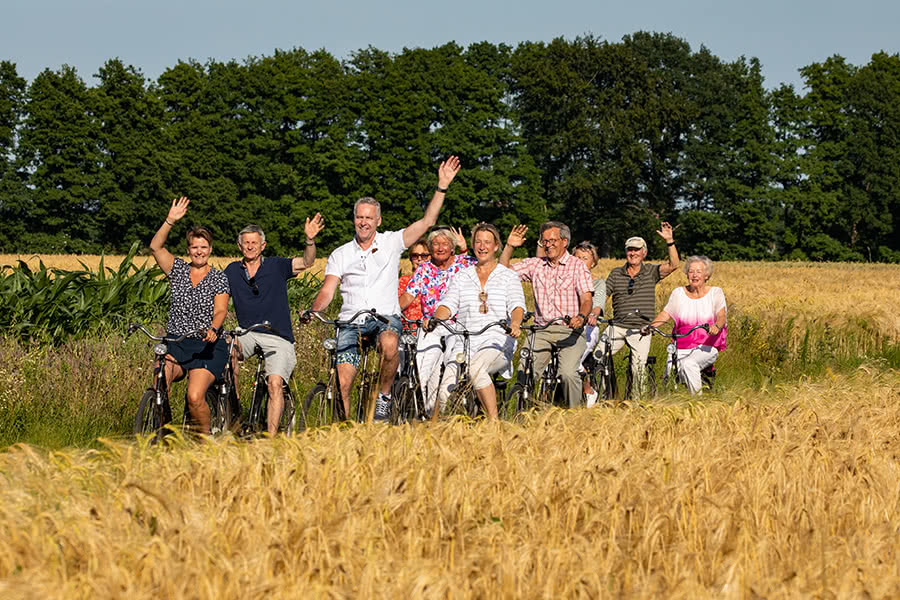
point(153, 35)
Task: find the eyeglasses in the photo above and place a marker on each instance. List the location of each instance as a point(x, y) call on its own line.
point(484, 307)
point(252, 283)
point(417, 255)
point(549, 242)
point(630, 286)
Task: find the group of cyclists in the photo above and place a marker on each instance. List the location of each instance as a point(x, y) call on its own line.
point(469, 290)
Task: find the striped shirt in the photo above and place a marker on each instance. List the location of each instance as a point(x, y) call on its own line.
point(557, 288)
point(630, 295)
point(504, 294)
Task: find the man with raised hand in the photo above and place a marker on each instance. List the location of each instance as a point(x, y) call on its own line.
point(259, 288)
point(562, 287)
point(367, 269)
point(632, 288)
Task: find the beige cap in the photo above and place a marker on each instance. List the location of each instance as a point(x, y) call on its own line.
point(635, 242)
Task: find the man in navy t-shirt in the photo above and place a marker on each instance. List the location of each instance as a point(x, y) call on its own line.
point(259, 289)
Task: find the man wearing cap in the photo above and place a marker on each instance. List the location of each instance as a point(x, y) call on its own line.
point(632, 288)
point(562, 287)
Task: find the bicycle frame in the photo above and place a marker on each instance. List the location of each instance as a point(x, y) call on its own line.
point(671, 372)
point(550, 376)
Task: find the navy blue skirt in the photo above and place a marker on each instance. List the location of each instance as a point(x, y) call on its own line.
point(192, 353)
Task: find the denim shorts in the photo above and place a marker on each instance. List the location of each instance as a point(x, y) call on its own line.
point(348, 337)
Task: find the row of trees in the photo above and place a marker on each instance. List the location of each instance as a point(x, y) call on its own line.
point(609, 137)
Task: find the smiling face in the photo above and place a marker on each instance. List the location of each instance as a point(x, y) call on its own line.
point(442, 248)
point(696, 274)
point(198, 250)
point(485, 246)
point(366, 222)
point(418, 255)
point(554, 246)
point(587, 257)
point(634, 256)
point(251, 246)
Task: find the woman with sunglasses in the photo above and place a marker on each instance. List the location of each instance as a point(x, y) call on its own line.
point(418, 255)
point(199, 303)
point(478, 295)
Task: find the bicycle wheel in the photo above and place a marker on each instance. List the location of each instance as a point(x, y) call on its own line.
point(547, 394)
point(316, 410)
point(651, 378)
point(606, 381)
point(515, 401)
point(403, 401)
point(258, 407)
point(290, 420)
point(218, 411)
point(147, 420)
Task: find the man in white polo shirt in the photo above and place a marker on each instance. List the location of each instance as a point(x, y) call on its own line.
point(368, 270)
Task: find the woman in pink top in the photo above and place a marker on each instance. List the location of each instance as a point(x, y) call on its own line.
point(691, 305)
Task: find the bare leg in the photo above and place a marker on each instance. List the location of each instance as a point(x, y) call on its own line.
point(199, 381)
point(488, 397)
point(390, 360)
point(276, 402)
point(346, 372)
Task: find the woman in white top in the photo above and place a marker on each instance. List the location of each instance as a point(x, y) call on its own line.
point(478, 295)
point(691, 305)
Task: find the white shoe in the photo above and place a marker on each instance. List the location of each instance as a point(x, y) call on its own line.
point(590, 400)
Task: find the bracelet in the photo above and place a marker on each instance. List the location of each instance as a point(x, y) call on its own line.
point(167, 222)
point(310, 242)
point(671, 243)
point(583, 318)
point(441, 190)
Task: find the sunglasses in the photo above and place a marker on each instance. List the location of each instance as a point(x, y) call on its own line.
point(630, 286)
point(421, 256)
point(484, 307)
point(252, 283)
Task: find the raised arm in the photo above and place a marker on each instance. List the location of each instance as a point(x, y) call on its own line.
point(446, 172)
point(516, 239)
point(461, 244)
point(666, 232)
point(312, 229)
point(163, 257)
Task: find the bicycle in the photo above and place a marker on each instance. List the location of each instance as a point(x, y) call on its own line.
point(323, 403)
point(521, 393)
point(464, 395)
point(605, 371)
point(409, 402)
point(671, 376)
point(257, 416)
point(154, 411)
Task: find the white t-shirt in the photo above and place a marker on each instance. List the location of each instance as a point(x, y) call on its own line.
point(688, 312)
point(369, 278)
point(504, 294)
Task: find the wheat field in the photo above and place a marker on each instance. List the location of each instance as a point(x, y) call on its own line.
point(778, 493)
point(776, 490)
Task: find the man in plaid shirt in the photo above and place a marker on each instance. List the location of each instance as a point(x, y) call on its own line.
point(562, 287)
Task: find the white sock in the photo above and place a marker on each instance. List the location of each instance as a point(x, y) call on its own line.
point(590, 399)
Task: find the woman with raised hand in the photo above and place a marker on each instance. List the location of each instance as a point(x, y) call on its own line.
point(198, 306)
point(695, 304)
point(478, 295)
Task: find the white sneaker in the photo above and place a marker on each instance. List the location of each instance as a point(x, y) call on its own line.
point(590, 400)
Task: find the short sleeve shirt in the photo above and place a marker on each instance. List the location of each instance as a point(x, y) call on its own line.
point(369, 278)
point(271, 302)
point(557, 288)
point(191, 307)
point(628, 297)
point(430, 283)
point(688, 312)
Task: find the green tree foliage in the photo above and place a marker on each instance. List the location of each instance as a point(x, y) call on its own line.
point(610, 137)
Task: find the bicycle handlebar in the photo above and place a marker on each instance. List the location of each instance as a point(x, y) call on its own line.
point(174, 340)
point(256, 326)
point(451, 331)
point(338, 323)
point(676, 336)
point(533, 328)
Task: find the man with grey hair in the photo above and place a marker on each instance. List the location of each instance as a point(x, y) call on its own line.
point(259, 288)
point(632, 288)
point(562, 288)
point(367, 268)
